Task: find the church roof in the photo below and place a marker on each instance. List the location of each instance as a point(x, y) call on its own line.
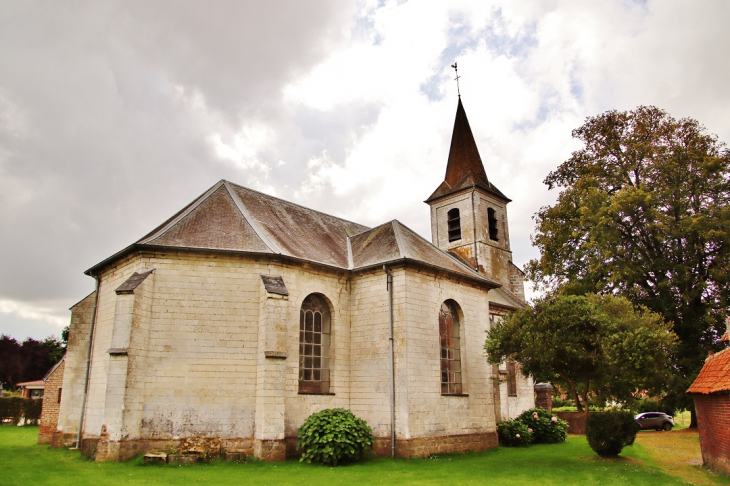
point(714, 375)
point(503, 298)
point(229, 217)
point(464, 169)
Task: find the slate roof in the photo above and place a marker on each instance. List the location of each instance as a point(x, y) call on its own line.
point(230, 217)
point(714, 376)
point(503, 298)
point(464, 169)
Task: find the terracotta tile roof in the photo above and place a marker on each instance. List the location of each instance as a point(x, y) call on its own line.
point(714, 376)
point(464, 169)
point(29, 384)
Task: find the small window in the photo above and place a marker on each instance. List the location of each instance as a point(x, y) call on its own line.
point(492, 218)
point(314, 345)
point(511, 378)
point(454, 221)
point(449, 335)
point(59, 394)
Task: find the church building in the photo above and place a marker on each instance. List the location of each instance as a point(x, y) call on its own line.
point(224, 328)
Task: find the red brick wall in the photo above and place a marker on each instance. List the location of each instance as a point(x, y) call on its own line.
point(51, 405)
point(713, 420)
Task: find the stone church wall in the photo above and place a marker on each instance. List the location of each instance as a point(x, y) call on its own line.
point(463, 422)
point(74, 372)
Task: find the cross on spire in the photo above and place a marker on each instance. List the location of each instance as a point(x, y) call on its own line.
point(457, 78)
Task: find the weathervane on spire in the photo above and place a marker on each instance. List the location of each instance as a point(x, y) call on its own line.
point(457, 78)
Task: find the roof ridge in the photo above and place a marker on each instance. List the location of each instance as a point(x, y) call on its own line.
point(395, 224)
point(296, 204)
point(350, 259)
point(180, 215)
point(260, 232)
point(461, 264)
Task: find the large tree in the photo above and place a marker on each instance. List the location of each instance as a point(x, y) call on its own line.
point(644, 212)
point(590, 345)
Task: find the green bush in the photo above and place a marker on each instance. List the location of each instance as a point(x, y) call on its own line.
point(559, 402)
point(609, 432)
point(546, 427)
point(11, 409)
point(513, 433)
point(32, 410)
point(333, 436)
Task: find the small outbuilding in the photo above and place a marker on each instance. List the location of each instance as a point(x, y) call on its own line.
point(711, 393)
point(53, 383)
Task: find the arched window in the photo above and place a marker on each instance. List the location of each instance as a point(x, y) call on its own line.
point(314, 345)
point(450, 338)
point(454, 220)
point(492, 219)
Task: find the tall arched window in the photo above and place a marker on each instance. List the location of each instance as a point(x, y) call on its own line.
point(450, 339)
point(314, 345)
point(454, 220)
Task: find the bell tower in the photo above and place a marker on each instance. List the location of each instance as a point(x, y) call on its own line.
point(469, 213)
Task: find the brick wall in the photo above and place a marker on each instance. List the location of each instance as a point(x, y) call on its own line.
point(713, 420)
point(51, 405)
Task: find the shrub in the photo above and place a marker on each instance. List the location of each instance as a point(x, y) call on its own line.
point(32, 410)
point(609, 432)
point(559, 402)
point(546, 427)
point(11, 409)
point(513, 433)
point(333, 436)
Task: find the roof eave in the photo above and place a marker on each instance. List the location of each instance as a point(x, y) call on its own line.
point(499, 196)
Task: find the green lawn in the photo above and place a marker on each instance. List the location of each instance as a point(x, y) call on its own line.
point(24, 462)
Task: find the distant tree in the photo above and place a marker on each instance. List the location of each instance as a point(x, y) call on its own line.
point(64, 336)
point(644, 212)
point(28, 361)
point(11, 367)
point(36, 359)
point(589, 344)
point(55, 348)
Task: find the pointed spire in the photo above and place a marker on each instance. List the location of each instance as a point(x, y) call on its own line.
point(464, 168)
point(463, 155)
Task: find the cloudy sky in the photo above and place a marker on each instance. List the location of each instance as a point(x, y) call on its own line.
point(115, 114)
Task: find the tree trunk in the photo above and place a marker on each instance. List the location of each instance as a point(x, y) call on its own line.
point(692, 419)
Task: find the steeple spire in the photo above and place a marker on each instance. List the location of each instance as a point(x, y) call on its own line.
point(464, 168)
point(463, 154)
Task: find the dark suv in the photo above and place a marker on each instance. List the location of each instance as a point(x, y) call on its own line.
point(655, 420)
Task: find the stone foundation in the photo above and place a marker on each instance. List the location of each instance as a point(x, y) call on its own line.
point(102, 449)
point(424, 447)
point(270, 450)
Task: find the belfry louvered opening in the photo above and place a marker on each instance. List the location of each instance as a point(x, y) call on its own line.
point(454, 221)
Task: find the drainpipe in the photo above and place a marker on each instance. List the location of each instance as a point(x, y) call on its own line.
point(88, 360)
point(389, 285)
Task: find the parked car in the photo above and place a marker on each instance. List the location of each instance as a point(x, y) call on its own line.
point(655, 420)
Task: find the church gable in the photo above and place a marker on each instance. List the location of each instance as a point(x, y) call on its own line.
point(215, 223)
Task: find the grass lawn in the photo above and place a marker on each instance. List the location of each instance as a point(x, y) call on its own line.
point(23, 462)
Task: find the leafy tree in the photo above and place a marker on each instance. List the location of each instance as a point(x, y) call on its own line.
point(592, 343)
point(11, 367)
point(27, 361)
point(643, 212)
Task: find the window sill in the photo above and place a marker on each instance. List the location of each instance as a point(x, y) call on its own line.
point(454, 394)
point(315, 393)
